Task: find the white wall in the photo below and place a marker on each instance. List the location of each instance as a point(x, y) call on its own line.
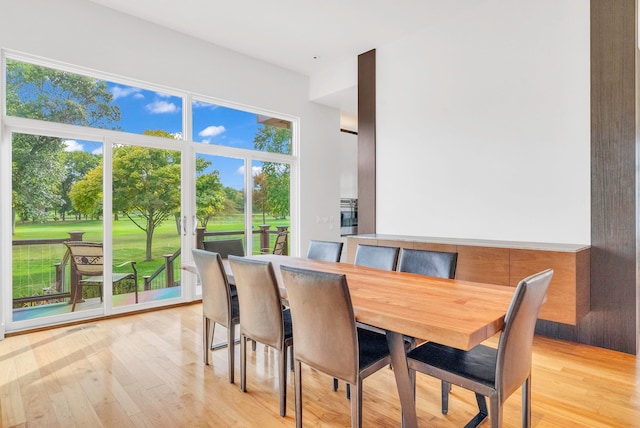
point(483, 124)
point(85, 34)
point(348, 158)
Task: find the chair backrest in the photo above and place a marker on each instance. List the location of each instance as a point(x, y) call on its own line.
point(259, 299)
point(225, 247)
point(325, 250)
point(425, 262)
point(324, 329)
point(513, 365)
point(216, 296)
point(87, 258)
point(280, 247)
point(376, 257)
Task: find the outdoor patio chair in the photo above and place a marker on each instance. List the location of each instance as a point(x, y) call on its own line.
point(280, 247)
point(87, 269)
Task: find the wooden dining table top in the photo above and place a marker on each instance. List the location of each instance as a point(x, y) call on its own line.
point(456, 313)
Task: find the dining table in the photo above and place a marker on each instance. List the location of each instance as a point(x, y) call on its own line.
point(456, 313)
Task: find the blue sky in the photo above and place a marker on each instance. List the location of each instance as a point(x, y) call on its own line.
point(142, 110)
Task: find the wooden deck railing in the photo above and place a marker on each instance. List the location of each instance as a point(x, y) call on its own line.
point(164, 276)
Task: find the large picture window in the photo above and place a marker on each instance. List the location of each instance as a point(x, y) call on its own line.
point(112, 167)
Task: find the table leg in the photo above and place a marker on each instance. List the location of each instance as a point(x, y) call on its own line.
point(403, 381)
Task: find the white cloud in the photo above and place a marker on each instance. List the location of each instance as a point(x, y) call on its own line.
point(212, 131)
point(255, 170)
point(202, 104)
point(97, 151)
point(158, 94)
point(72, 146)
point(125, 91)
point(138, 96)
point(159, 107)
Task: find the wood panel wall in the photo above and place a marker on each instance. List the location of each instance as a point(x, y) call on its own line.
point(612, 322)
point(367, 142)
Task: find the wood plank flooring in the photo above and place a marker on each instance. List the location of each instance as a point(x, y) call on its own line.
point(146, 370)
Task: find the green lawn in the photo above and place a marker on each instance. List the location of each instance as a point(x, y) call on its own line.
point(33, 265)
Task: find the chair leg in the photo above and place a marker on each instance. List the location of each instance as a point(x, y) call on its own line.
point(291, 357)
point(243, 363)
point(298, 392)
point(446, 387)
point(77, 295)
point(483, 412)
point(230, 343)
point(526, 403)
point(206, 336)
point(282, 365)
point(356, 404)
point(348, 392)
point(496, 412)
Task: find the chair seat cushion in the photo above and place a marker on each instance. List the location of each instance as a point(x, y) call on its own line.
point(372, 347)
point(478, 364)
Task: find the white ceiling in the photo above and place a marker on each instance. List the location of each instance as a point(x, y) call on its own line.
point(288, 33)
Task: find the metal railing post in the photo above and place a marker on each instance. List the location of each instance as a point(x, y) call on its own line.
point(264, 237)
point(168, 268)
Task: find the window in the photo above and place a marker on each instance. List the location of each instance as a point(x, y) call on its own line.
point(106, 161)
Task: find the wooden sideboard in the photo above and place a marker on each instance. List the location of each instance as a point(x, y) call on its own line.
point(506, 263)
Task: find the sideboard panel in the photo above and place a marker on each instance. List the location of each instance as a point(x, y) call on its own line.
point(506, 263)
point(483, 264)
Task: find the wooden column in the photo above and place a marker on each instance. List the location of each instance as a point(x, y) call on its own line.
point(367, 142)
point(612, 321)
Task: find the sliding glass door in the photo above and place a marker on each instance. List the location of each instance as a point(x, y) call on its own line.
point(53, 205)
point(113, 184)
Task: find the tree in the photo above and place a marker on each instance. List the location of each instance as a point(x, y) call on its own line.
point(37, 172)
point(276, 175)
point(146, 183)
point(76, 165)
point(86, 194)
point(260, 195)
point(210, 197)
point(42, 93)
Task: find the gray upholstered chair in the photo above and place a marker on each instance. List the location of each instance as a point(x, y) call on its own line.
point(426, 262)
point(225, 247)
point(263, 318)
point(218, 305)
point(326, 337)
point(431, 263)
point(325, 250)
point(490, 372)
point(376, 257)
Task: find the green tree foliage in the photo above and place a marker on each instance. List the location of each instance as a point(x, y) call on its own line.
point(276, 175)
point(36, 92)
point(210, 197)
point(76, 165)
point(260, 196)
point(146, 186)
point(86, 194)
point(37, 174)
point(234, 200)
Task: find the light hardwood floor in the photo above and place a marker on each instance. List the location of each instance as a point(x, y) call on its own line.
point(146, 370)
